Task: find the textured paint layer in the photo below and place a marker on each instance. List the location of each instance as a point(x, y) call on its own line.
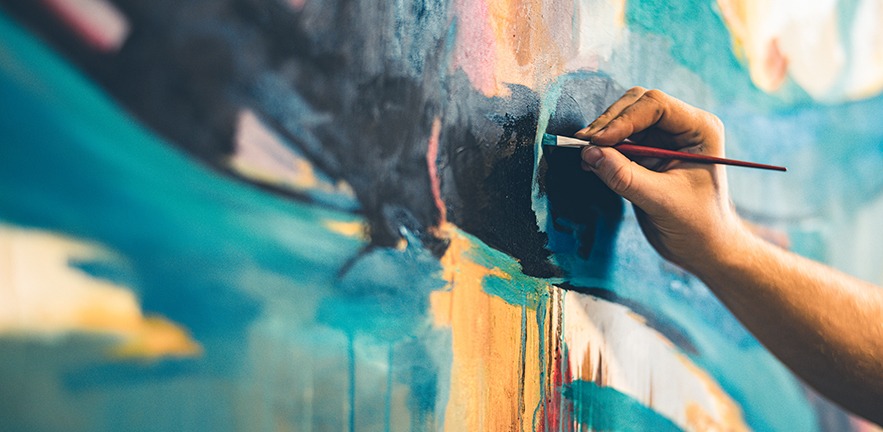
point(503, 42)
point(601, 340)
point(489, 387)
point(313, 302)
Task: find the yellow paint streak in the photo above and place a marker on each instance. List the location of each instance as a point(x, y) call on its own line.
point(42, 295)
point(157, 337)
point(699, 420)
point(619, 14)
point(486, 384)
point(355, 229)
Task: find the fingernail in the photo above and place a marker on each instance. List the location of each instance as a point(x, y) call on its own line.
point(593, 156)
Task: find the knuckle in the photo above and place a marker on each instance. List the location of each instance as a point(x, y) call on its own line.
point(636, 91)
point(656, 95)
point(716, 123)
point(625, 122)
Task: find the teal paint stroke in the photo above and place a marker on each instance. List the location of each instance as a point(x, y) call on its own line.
point(606, 409)
point(516, 289)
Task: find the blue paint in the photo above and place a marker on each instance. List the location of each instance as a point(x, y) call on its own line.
point(516, 287)
point(389, 388)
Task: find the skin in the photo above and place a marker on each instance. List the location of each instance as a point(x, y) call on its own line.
point(826, 326)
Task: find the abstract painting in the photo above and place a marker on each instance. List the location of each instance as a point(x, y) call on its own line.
point(315, 216)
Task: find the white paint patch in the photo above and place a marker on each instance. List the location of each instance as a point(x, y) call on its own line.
point(640, 362)
point(598, 29)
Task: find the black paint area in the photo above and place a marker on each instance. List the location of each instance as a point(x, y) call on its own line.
point(355, 86)
point(578, 201)
point(486, 167)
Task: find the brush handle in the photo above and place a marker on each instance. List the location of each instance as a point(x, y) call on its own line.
point(629, 149)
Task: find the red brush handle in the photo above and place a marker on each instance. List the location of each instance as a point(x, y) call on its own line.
point(629, 149)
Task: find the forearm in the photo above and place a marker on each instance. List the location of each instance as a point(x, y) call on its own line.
point(824, 325)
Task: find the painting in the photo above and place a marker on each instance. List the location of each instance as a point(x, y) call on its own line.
point(319, 216)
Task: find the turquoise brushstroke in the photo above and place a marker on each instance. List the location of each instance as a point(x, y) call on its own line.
point(606, 409)
point(516, 288)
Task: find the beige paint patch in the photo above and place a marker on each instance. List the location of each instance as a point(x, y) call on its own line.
point(42, 295)
point(599, 29)
point(261, 155)
point(98, 22)
point(805, 40)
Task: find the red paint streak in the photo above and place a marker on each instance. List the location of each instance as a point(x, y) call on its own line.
point(435, 183)
point(558, 411)
point(98, 23)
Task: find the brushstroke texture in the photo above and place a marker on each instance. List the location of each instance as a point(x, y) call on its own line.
point(346, 204)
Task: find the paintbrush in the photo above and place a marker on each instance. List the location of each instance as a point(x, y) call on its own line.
point(631, 149)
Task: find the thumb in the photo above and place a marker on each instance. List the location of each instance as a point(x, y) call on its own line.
point(625, 177)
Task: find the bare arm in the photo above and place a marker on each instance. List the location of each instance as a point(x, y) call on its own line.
point(824, 325)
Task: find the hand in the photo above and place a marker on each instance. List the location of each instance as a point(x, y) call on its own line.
point(684, 208)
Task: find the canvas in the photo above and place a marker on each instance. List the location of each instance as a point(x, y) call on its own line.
point(310, 216)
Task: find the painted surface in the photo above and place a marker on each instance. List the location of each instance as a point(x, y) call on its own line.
point(298, 215)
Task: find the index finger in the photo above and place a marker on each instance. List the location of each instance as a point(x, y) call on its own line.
point(627, 99)
point(685, 124)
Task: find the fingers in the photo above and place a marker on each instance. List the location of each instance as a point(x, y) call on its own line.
point(632, 95)
point(633, 182)
point(668, 118)
point(653, 108)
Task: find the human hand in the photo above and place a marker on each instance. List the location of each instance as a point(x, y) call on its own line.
point(684, 208)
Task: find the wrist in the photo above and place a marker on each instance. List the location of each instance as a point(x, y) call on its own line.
point(725, 254)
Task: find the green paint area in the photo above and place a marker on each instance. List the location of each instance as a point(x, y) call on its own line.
point(605, 409)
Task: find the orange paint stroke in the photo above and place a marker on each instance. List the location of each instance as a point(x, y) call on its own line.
point(354, 229)
point(488, 388)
